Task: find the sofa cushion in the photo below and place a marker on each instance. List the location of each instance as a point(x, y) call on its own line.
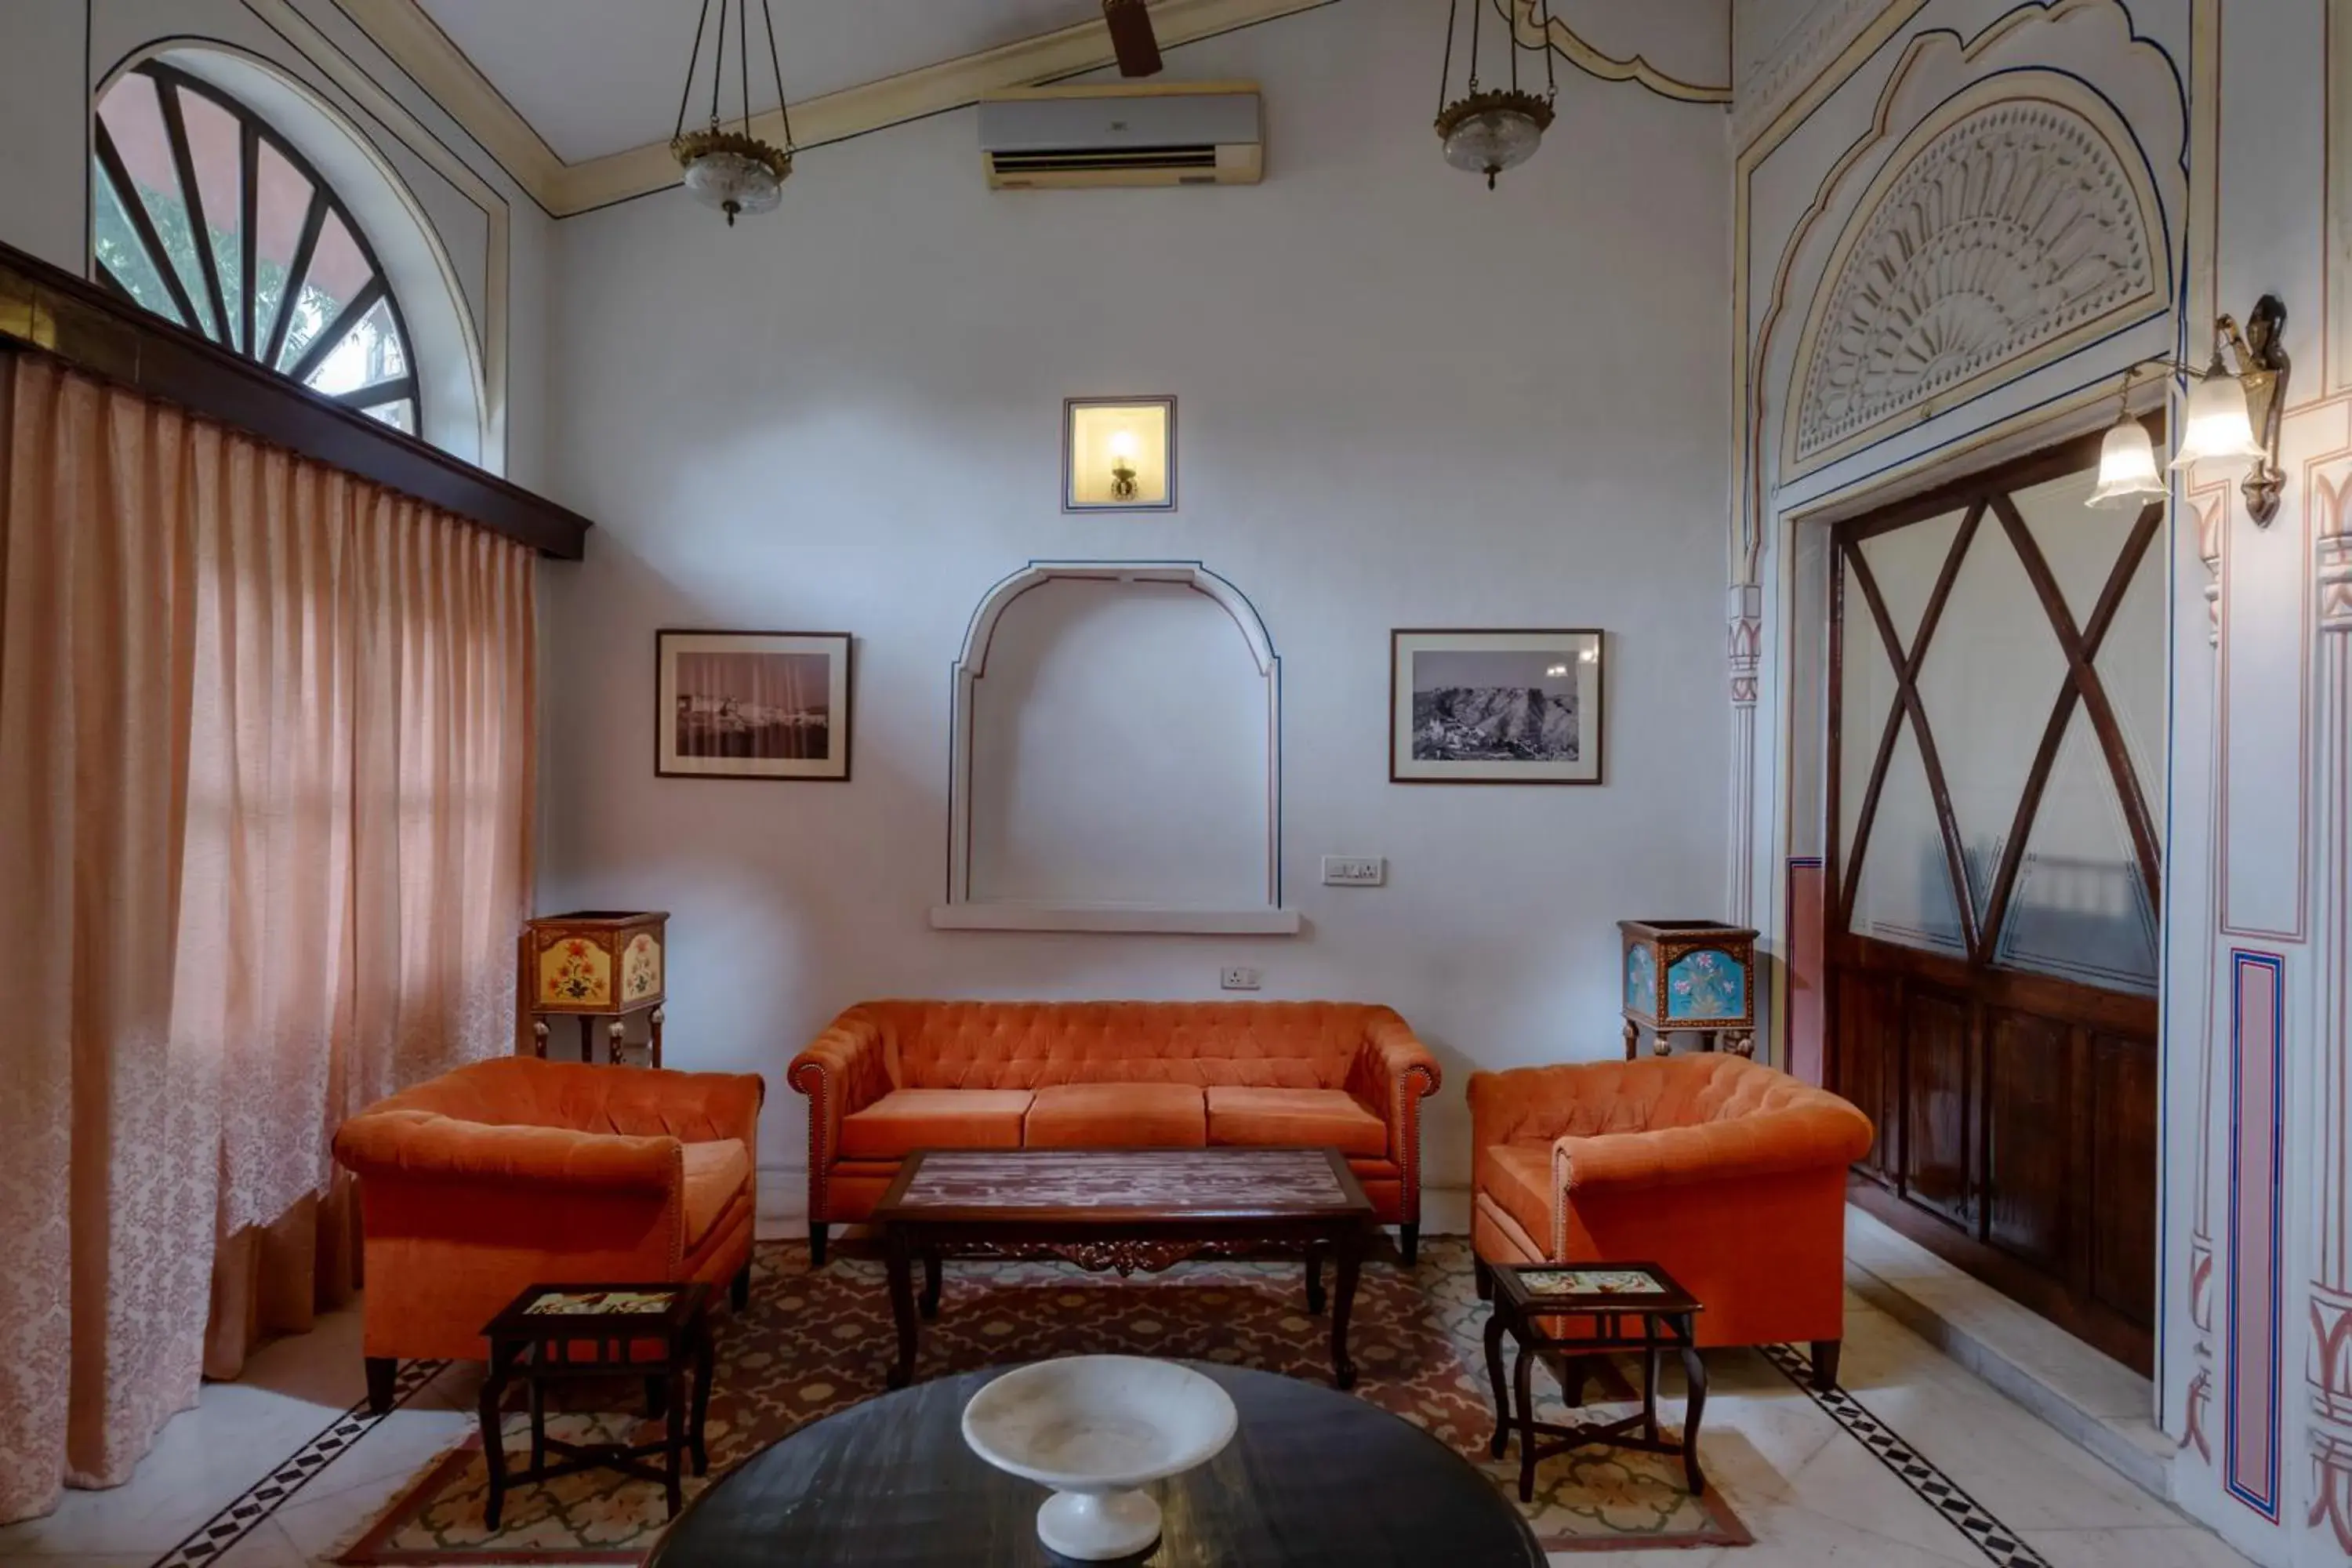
point(910, 1119)
point(1518, 1177)
point(1117, 1116)
point(715, 1173)
point(1294, 1119)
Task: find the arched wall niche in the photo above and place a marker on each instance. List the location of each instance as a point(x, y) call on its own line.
point(1116, 757)
point(443, 333)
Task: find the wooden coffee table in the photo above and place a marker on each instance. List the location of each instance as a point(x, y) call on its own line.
point(1123, 1209)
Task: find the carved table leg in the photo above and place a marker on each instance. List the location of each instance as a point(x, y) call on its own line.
point(1651, 1362)
point(1315, 1277)
point(494, 1453)
point(653, 1041)
point(703, 1356)
point(1351, 1249)
point(902, 1306)
point(1523, 1409)
point(1501, 1442)
point(930, 1284)
point(616, 1035)
point(1695, 1374)
point(539, 1038)
point(1632, 1037)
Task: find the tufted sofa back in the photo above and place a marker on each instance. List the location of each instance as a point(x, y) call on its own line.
point(1032, 1045)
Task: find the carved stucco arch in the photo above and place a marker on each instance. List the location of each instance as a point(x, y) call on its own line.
point(2014, 225)
point(961, 910)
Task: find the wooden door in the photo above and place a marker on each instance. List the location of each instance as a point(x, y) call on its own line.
point(1996, 716)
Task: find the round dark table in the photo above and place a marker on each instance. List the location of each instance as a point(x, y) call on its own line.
point(1312, 1477)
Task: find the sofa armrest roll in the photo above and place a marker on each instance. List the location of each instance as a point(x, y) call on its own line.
point(418, 1145)
point(1822, 1134)
point(1393, 1073)
point(843, 1070)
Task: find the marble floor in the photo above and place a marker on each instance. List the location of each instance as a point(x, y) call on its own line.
point(1816, 1492)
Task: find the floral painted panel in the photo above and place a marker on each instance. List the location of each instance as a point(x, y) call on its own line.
point(575, 972)
point(641, 967)
point(1641, 978)
point(1707, 985)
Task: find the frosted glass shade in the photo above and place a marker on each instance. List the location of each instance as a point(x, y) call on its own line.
point(2127, 475)
point(2219, 426)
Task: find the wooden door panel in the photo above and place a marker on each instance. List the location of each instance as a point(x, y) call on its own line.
point(1865, 1037)
point(1935, 1090)
point(2120, 1202)
point(2029, 1136)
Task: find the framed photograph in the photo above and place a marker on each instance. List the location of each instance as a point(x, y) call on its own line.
point(751, 705)
point(1499, 706)
point(1118, 454)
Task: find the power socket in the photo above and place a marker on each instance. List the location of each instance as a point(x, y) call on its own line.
point(1353, 871)
point(1240, 977)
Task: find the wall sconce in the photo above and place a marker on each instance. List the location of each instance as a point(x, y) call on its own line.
point(2232, 415)
point(1118, 454)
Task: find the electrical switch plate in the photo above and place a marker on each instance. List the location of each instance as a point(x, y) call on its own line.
point(1240, 977)
point(1354, 872)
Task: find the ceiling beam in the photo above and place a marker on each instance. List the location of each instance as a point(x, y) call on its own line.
point(406, 33)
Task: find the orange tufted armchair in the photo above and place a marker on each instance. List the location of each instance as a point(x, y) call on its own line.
point(517, 1172)
point(1728, 1174)
point(889, 1077)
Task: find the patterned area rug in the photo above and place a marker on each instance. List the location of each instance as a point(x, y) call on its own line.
point(814, 1343)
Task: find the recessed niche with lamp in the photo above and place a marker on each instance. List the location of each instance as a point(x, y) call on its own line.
point(1118, 454)
point(2232, 417)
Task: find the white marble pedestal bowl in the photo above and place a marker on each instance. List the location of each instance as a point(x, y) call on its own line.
point(1094, 1428)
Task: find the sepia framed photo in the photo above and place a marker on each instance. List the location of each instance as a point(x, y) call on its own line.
point(751, 705)
point(1494, 707)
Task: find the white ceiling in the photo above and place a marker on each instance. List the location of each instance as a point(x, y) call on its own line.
point(595, 76)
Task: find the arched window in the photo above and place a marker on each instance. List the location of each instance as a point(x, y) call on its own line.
point(205, 216)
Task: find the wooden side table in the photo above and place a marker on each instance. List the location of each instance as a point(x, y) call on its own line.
point(1528, 1296)
point(597, 963)
point(541, 1338)
point(1693, 975)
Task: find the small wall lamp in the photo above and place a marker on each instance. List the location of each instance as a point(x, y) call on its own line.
point(2232, 415)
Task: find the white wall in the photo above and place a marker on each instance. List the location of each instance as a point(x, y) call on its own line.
point(1404, 401)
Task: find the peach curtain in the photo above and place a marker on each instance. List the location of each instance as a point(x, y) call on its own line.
point(266, 753)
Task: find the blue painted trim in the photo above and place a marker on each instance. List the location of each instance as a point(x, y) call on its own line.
point(2241, 960)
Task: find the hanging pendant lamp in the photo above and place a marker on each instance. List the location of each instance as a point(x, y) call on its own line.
point(1487, 130)
point(730, 169)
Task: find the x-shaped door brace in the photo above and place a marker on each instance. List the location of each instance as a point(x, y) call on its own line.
point(1980, 927)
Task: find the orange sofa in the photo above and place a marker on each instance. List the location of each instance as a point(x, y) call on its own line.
point(517, 1172)
point(1729, 1174)
point(888, 1078)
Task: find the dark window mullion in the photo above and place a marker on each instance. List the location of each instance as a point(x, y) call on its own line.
point(313, 221)
point(116, 286)
point(400, 389)
point(249, 236)
point(350, 316)
point(192, 201)
point(143, 226)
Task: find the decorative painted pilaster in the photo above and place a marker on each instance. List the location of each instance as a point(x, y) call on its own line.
point(1744, 648)
point(2328, 1372)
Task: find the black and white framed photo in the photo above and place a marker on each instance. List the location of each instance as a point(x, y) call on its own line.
point(1494, 707)
point(752, 705)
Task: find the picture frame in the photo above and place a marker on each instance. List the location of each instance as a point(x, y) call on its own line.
point(1497, 706)
point(752, 705)
point(1110, 443)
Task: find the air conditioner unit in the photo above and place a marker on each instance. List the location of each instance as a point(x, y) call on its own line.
point(1122, 133)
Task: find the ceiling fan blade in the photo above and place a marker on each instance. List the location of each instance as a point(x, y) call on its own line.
point(1131, 37)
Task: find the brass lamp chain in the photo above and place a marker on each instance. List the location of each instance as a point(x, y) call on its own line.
point(703, 28)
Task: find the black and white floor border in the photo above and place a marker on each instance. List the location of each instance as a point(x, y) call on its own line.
point(206, 1542)
point(1999, 1544)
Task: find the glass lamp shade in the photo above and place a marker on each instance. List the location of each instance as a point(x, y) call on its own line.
point(1491, 132)
point(2219, 426)
point(731, 173)
point(2127, 475)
